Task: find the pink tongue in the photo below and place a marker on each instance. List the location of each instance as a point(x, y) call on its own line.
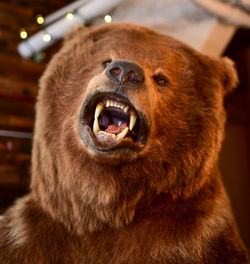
point(114, 129)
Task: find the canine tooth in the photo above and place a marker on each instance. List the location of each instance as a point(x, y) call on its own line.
point(126, 109)
point(107, 103)
point(96, 127)
point(122, 134)
point(99, 108)
point(111, 103)
point(132, 121)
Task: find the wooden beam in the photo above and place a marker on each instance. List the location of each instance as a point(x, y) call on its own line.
point(218, 39)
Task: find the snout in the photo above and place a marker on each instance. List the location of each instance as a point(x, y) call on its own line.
point(122, 73)
point(112, 123)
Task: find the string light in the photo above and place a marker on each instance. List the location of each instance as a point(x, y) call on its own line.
point(46, 37)
point(70, 16)
point(108, 19)
point(57, 24)
point(39, 19)
point(23, 33)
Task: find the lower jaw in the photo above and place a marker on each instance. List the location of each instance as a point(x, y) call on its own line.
point(117, 152)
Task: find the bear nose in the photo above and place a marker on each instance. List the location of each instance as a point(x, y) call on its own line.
point(120, 72)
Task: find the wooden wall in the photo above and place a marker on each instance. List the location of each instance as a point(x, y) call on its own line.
point(18, 90)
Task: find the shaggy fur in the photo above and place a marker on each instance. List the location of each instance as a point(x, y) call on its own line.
point(160, 200)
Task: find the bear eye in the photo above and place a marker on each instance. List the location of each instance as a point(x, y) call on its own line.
point(161, 80)
point(106, 63)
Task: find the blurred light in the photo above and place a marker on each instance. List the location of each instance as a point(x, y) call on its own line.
point(23, 33)
point(108, 18)
point(39, 56)
point(70, 16)
point(46, 37)
point(39, 19)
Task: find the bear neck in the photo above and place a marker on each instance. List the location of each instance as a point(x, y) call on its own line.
point(107, 195)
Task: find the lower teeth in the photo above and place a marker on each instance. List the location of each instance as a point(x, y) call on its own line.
point(120, 136)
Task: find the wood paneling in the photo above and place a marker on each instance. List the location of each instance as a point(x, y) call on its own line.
point(18, 90)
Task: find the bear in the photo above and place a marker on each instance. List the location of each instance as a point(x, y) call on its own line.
point(129, 124)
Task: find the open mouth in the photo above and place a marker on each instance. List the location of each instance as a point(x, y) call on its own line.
point(112, 121)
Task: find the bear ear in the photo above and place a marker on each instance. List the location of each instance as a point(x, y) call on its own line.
point(227, 74)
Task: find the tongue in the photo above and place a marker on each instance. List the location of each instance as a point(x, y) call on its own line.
point(114, 129)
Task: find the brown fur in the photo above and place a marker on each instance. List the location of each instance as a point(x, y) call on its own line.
point(161, 203)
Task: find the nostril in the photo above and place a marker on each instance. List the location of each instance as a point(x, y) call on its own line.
point(115, 71)
point(132, 77)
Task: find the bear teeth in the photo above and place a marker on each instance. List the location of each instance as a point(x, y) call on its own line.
point(132, 121)
point(118, 137)
point(110, 103)
point(98, 110)
point(122, 134)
